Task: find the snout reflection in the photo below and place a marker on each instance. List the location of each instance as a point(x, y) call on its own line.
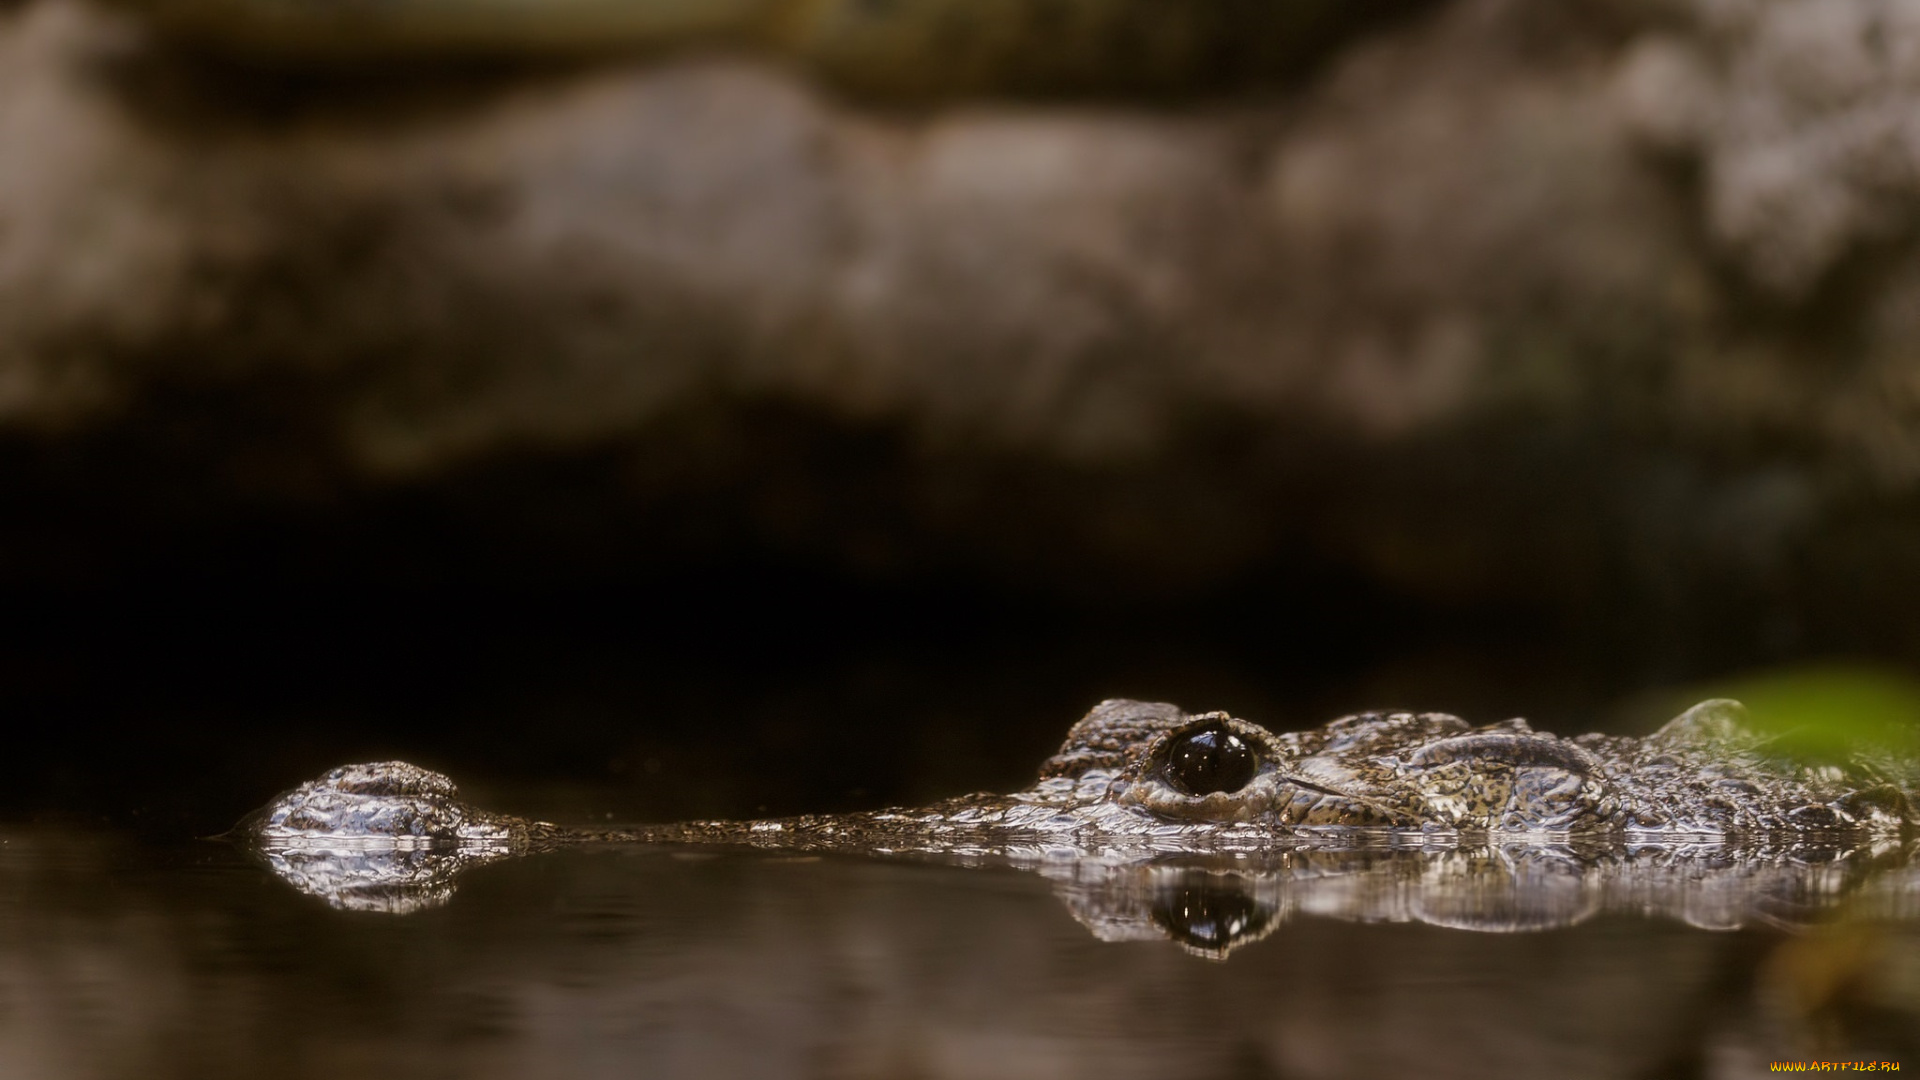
point(1213, 905)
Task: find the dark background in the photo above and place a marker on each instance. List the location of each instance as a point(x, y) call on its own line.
point(821, 405)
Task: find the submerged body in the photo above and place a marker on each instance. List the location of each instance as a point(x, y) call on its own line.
point(1150, 775)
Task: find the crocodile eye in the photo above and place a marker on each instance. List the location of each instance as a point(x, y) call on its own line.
point(1209, 760)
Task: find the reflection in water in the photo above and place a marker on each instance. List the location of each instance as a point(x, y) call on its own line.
point(1211, 904)
point(595, 961)
point(1212, 908)
point(379, 876)
point(1209, 918)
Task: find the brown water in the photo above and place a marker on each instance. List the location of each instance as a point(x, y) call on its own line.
point(123, 958)
point(128, 950)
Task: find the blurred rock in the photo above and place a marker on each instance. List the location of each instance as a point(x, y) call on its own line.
point(1799, 116)
point(1603, 312)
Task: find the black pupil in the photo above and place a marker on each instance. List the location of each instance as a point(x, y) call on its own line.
point(1209, 761)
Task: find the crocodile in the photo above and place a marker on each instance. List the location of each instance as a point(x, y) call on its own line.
point(1209, 829)
point(1152, 776)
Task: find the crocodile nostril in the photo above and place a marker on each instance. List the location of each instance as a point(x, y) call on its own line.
point(1210, 760)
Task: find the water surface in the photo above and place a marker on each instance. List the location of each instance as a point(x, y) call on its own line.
point(124, 958)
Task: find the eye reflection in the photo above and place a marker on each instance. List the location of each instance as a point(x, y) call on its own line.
point(1210, 918)
point(1210, 760)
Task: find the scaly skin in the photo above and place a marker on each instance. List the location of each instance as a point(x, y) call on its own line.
point(1704, 774)
point(1395, 816)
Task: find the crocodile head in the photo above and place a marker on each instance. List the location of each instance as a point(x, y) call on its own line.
point(1208, 829)
point(1706, 772)
point(1425, 771)
point(1154, 776)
